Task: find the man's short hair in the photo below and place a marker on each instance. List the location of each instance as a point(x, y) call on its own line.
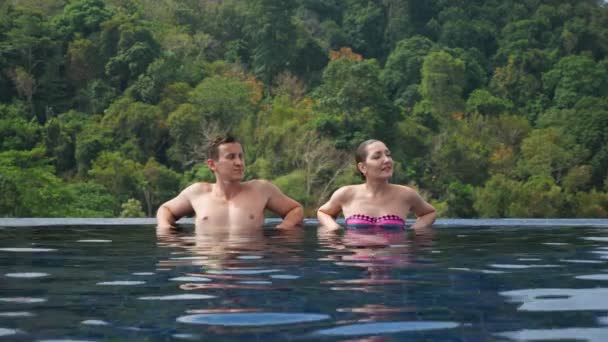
point(213, 149)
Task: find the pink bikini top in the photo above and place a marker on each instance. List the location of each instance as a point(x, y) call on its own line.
point(364, 221)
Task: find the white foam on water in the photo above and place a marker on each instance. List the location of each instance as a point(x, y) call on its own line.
point(255, 282)
point(475, 270)
point(596, 238)
point(16, 314)
point(121, 283)
point(192, 279)
point(600, 276)
point(385, 328)
point(249, 257)
point(529, 259)
point(27, 275)
point(178, 297)
point(94, 241)
point(560, 299)
point(94, 322)
point(22, 300)
point(582, 261)
point(26, 250)
point(555, 243)
point(143, 273)
point(513, 266)
point(8, 332)
point(578, 334)
point(284, 276)
point(186, 336)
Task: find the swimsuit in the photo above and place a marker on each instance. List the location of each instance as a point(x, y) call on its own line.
point(364, 221)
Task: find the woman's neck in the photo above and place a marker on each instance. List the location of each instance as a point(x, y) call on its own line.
point(376, 187)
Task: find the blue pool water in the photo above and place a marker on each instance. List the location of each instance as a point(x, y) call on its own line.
point(469, 280)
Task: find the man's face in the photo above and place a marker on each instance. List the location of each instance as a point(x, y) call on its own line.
point(230, 165)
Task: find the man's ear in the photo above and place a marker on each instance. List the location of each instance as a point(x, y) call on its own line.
point(211, 164)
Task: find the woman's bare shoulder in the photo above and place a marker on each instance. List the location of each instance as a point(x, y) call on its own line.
point(346, 192)
point(404, 190)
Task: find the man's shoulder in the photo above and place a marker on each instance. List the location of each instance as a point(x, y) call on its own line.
point(199, 188)
point(259, 184)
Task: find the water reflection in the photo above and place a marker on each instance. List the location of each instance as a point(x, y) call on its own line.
point(241, 259)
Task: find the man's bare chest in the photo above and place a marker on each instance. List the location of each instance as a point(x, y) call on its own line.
point(242, 210)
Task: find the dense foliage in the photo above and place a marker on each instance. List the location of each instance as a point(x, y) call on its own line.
point(495, 108)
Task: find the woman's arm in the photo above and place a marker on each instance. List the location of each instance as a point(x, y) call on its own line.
point(425, 212)
point(328, 212)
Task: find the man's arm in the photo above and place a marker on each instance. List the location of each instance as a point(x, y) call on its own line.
point(425, 212)
point(173, 210)
point(328, 212)
point(289, 209)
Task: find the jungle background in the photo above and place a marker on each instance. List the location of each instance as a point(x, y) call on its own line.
point(494, 108)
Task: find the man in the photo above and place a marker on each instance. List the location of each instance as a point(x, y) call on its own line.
point(228, 204)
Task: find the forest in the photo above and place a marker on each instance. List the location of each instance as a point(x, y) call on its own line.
point(495, 108)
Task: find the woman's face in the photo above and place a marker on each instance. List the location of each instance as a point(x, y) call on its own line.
point(378, 163)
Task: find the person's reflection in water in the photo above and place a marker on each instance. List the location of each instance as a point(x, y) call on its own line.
point(383, 254)
point(231, 259)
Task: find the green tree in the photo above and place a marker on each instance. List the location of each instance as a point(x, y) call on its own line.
point(161, 185)
point(136, 127)
point(364, 23)
point(443, 83)
point(122, 177)
point(574, 77)
point(89, 199)
point(17, 131)
point(550, 152)
point(34, 189)
point(82, 16)
point(273, 37)
point(131, 208)
point(403, 66)
point(353, 103)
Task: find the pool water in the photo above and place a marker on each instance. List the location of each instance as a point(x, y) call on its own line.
point(122, 283)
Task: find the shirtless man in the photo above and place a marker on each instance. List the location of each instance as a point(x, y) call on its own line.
point(228, 204)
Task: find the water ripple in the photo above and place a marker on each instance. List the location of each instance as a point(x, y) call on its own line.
point(385, 328)
point(251, 319)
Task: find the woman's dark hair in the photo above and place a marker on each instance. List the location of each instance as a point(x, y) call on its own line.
point(361, 154)
point(213, 149)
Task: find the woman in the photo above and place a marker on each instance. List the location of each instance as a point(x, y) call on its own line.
point(375, 203)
